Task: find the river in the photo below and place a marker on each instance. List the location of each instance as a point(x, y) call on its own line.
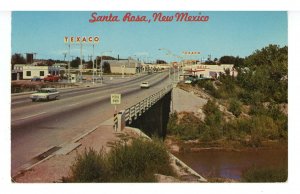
point(231, 164)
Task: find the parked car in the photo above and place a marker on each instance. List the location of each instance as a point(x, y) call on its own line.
point(97, 78)
point(45, 94)
point(81, 78)
point(145, 85)
point(36, 79)
point(52, 78)
point(188, 81)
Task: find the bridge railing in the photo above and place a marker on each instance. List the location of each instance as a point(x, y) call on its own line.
point(136, 110)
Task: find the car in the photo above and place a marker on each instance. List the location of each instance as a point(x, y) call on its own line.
point(36, 79)
point(145, 85)
point(52, 78)
point(97, 78)
point(45, 94)
point(188, 81)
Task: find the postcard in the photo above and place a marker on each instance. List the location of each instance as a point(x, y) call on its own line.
point(149, 96)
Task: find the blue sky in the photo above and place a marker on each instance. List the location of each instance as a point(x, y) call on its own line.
point(226, 33)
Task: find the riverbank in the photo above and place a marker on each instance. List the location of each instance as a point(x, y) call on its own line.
point(219, 163)
point(222, 146)
point(177, 145)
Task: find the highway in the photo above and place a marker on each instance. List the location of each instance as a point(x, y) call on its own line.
point(37, 126)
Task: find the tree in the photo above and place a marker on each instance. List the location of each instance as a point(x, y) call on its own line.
point(50, 62)
point(227, 60)
point(90, 64)
point(236, 61)
point(75, 63)
point(266, 74)
point(106, 67)
point(17, 59)
point(160, 61)
point(210, 62)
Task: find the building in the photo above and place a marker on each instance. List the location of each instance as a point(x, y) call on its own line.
point(30, 71)
point(23, 71)
point(155, 67)
point(17, 72)
point(129, 66)
point(208, 71)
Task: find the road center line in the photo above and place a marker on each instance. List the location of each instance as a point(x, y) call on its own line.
point(30, 116)
point(74, 104)
point(19, 102)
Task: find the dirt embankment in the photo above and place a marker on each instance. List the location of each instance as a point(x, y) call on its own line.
point(188, 99)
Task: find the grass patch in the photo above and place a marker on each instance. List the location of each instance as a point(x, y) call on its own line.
point(271, 174)
point(136, 161)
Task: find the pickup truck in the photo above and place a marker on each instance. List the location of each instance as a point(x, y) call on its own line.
point(45, 94)
point(52, 78)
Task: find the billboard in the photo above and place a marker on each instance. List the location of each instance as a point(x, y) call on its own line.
point(81, 39)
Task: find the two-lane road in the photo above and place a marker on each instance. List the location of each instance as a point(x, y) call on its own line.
point(36, 126)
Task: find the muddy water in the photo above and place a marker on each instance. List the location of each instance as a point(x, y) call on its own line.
point(231, 164)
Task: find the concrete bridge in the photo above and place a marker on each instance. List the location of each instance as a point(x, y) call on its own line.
point(150, 115)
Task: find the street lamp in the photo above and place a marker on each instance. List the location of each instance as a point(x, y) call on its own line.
point(169, 53)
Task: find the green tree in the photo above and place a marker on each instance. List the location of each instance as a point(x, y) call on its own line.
point(106, 67)
point(227, 60)
point(265, 74)
point(90, 64)
point(75, 63)
point(17, 59)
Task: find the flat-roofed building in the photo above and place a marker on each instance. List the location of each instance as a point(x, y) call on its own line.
point(208, 71)
point(129, 66)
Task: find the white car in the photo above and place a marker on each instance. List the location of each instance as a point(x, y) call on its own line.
point(145, 85)
point(188, 81)
point(45, 94)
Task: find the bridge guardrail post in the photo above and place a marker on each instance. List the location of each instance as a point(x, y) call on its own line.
point(121, 120)
point(115, 126)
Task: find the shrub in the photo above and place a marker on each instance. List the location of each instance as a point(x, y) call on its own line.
point(90, 167)
point(237, 128)
point(139, 161)
point(206, 84)
point(211, 134)
point(136, 162)
point(188, 127)
point(172, 127)
point(213, 116)
point(271, 174)
point(235, 107)
point(191, 126)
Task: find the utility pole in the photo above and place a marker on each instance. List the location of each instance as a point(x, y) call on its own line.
point(93, 78)
point(69, 62)
point(81, 62)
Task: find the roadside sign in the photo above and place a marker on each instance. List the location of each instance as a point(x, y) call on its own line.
point(115, 98)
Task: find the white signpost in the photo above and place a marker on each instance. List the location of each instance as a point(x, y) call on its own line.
point(115, 99)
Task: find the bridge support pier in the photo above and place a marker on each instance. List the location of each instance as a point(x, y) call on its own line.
point(154, 121)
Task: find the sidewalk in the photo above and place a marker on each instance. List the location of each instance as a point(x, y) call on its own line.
point(57, 165)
